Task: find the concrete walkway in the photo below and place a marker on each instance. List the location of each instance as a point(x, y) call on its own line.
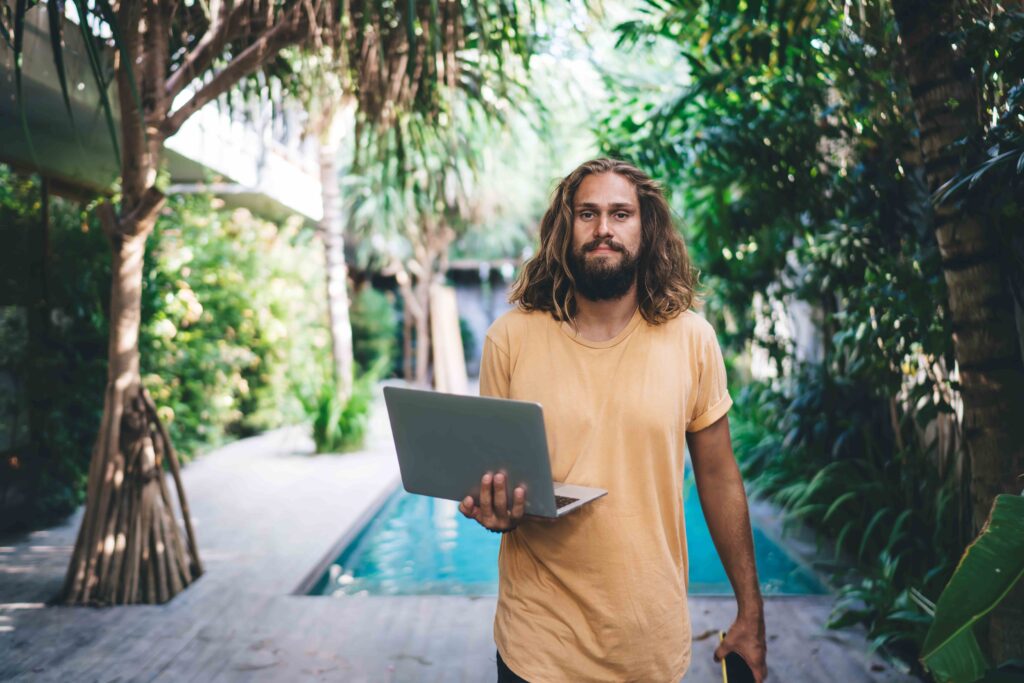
point(267, 513)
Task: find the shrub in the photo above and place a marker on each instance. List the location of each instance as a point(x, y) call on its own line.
point(468, 339)
point(375, 330)
point(817, 450)
point(341, 427)
point(53, 337)
point(230, 329)
point(229, 334)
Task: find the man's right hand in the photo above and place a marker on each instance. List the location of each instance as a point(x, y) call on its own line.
point(493, 511)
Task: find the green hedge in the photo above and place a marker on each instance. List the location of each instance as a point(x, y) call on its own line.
point(234, 325)
point(53, 346)
point(234, 331)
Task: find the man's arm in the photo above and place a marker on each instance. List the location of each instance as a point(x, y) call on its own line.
point(495, 511)
point(724, 501)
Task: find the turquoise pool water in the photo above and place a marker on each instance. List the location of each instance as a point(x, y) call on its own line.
point(420, 546)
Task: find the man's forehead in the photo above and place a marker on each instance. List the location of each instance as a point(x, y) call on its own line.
point(605, 190)
point(610, 205)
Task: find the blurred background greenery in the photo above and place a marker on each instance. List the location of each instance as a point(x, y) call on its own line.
point(785, 136)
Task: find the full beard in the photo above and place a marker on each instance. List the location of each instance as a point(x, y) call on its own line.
point(599, 279)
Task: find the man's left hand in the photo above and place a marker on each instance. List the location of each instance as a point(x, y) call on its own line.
point(746, 638)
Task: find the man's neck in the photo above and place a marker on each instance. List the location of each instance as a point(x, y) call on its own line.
point(603, 320)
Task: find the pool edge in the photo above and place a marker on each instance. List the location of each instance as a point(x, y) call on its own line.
point(358, 524)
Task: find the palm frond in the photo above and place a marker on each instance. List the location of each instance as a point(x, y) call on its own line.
point(54, 13)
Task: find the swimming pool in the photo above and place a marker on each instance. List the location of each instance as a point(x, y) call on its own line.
point(421, 546)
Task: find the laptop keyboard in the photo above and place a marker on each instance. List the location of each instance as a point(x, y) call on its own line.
point(562, 501)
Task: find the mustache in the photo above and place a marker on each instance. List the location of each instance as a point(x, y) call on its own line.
point(594, 244)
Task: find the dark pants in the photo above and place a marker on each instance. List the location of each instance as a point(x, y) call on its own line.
point(505, 674)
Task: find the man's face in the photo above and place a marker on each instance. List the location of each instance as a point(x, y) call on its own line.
point(605, 236)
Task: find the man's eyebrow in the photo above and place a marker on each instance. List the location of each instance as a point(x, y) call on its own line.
point(615, 205)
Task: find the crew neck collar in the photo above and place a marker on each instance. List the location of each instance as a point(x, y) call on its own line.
point(568, 331)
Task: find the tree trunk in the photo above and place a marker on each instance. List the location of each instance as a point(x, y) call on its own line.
point(129, 547)
point(422, 293)
point(407, 348)
point(332, 233)
point(981, 306)
point(416, 320)
point(427, 264)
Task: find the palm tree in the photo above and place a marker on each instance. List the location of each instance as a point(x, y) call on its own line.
point(171, 59)
point(324, 87)
point(417, 186)
point(411, 189)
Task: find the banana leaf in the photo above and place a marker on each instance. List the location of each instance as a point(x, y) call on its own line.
point(988, 570)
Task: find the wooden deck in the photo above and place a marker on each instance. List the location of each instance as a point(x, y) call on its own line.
point(266, 513)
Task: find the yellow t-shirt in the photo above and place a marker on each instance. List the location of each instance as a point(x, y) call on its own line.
point(600, 595)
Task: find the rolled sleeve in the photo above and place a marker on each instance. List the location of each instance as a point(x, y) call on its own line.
point(713, 400)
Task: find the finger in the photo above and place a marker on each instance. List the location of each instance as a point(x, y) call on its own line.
point(486, 508)
point(466, 506)
point(518, 503)
point(500, 496)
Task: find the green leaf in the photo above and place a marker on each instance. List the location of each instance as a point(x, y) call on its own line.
point(4, 33)
point(870, 528)
point(127, 63)
point(848, 617)
point(841, 538)
point(836, 504)
point(959, 660)
point(909, 615)
point(987, 571)
point(97, 74)
point(897, 529)
point(54, 13)
point(20, 8)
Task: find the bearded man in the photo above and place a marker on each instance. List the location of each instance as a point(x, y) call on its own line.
point(605, 339)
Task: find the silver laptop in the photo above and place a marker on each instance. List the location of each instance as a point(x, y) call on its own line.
point(446, 443)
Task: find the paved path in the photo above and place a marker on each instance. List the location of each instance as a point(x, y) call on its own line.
point(267, 512)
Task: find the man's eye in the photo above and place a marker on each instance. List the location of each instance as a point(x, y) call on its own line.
point(622, 215)
point(586, 214)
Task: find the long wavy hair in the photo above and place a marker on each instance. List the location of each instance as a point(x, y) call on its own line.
point(666, 280)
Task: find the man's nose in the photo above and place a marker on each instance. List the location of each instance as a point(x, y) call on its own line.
point(601, 229)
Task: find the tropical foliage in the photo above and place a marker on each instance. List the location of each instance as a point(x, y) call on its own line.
point(340, 424)
point(412, 190)
point(52, 334)
point(789, 140)
point(374, 330)
point(173, 59)
point(230, 334)
point(990, 568)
